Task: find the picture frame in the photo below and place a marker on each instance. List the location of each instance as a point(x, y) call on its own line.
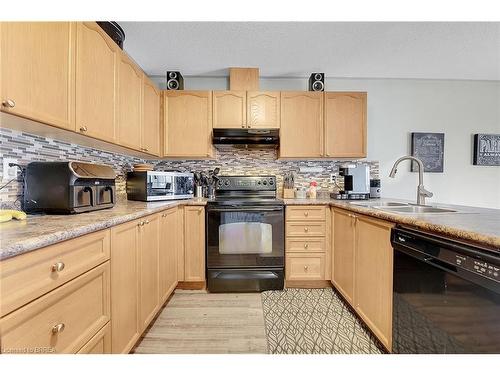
point(486, 149)
point(429, 148)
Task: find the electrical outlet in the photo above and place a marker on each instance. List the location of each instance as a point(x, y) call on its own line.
point(333, 178)
point(9, 172)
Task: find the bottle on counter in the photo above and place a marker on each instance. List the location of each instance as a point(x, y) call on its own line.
point(312, 190)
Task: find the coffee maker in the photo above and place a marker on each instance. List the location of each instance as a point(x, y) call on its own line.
point(356, 182)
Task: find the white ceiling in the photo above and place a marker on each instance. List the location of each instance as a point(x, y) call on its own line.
point(340, 49)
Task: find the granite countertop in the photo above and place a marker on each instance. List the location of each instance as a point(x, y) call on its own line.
point(478, 225)
point(475, 224)
point(18, 237)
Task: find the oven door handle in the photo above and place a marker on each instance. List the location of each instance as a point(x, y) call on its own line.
point(242, 209)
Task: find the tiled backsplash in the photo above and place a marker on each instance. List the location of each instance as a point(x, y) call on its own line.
point(27, 147)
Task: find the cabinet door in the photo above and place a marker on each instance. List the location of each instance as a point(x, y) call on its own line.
point(150, 118)
point(37, 71)
point(194, 243)
point(168, 253)
point(343, 253)
point(180, 244)
point(129, 126)
point(188, 123)
point(230, 109)
point(373, 296)
point(301, 133)
point(125, 328)
point(263, 109)
point(148, 260)
point(96, 76)
point(345, 124)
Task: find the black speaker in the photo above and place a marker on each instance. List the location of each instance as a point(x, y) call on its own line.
point(175, 81)
point(317, 82)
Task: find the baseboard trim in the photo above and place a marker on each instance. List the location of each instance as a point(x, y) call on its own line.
point(192, 285)
point(308, 284)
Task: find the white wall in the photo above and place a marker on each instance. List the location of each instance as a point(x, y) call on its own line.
point(397, 107)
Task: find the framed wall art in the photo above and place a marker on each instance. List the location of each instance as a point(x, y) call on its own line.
point(486, 149)
point(428, 147)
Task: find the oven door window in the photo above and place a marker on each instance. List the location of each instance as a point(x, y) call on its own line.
point(245, 238)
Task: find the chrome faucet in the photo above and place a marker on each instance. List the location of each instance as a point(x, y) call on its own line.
point(422, 193)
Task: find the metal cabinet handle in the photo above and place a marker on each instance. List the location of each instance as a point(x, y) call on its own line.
point(305, 268)
point(306, 246)
point(243, 126)
point(58, 328)
point(83, 128)
point(200, 209)
point(147, 222)
point(144, 149)
point(306, 229)
point(140, 224)
point(306, 213)
point(58, 267)
point(9, 103)
point(248, 126)
point(163, 215)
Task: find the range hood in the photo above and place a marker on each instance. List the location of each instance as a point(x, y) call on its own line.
point(246, 138)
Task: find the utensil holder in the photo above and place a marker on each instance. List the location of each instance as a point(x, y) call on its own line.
point(288, 193)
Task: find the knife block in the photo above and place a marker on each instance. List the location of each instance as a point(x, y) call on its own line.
point(288, 193)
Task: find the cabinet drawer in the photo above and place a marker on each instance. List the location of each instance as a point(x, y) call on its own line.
point(305, 213)
point(309, 245)
point(63, 320)
point(100, 343)
point(28, 276)
point(305, 266)
point(305, 229)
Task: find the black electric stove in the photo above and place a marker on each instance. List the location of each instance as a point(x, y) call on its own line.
point(245, 240)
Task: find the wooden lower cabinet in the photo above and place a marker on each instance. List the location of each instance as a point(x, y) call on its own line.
point(373, 276)
point(194, 243)
point(305, 266)
point(125, 327)
point(134, 279)
point(28, 276)
point(149, 247)
point(343, 253)
point(167, 260)
point(100, 343)
point(61, 321)
point(362, 270)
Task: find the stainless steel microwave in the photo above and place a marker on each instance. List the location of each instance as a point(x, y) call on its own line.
point(156, 186)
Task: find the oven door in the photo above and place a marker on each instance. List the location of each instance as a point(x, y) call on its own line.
point(245, 237)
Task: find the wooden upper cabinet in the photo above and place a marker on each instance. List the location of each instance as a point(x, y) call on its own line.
point(343, 253)
point(96, 77)
point(230, 109)
point(188, 123)
point(373, 296)
point(129, 126)
point(37, 71)
point(150, 118)
point(263, 109)
point(194, 243)
point(301, 133)
point(345, 124)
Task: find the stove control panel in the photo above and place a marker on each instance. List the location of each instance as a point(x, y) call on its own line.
point(247, 183)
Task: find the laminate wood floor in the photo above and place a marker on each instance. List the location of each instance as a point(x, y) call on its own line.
point(195, 322)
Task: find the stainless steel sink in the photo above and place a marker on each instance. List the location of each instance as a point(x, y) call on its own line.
point(409, 209)
point(380, 204)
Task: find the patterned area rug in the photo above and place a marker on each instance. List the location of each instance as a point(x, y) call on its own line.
point(313, 321)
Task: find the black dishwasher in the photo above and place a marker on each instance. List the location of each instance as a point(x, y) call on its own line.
point(446, 295)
